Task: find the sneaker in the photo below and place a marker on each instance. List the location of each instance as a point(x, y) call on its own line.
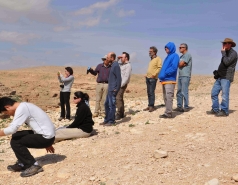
point(222, 114)
point(212, 112)
point(165, 116)
point(151, 109)
point(15, 168)
point(34, 169)
point(60, 118)
point(179, 109)
point(95, 115)
point(146, 109)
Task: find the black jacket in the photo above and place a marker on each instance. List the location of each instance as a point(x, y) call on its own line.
point(83, 118)
point(226, 69)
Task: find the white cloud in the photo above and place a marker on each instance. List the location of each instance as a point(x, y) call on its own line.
point(96, 6)
point(61, 28)
point(90, 22)
point(14, 10)
point(123, 13)
point(17, 38)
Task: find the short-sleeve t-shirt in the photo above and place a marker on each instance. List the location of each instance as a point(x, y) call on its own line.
point(186, 70)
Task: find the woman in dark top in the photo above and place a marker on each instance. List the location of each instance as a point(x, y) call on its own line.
point(82, 126)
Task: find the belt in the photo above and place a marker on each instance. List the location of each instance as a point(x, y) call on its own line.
point(103, 82)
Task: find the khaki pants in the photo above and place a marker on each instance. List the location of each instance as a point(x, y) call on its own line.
point(168, 94)
point(69, 133)
point(101, 94)
point(120, 102)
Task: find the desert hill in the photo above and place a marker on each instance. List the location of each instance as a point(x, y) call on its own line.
point(190, 149)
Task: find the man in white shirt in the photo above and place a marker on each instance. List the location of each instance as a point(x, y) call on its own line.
point(41, 135)
point(125, 76)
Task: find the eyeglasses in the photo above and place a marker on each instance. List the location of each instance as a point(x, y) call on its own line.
point(224, 43)
point(75, 98)
point(181, 47)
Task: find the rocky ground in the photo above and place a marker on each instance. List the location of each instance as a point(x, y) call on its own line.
point(193, 148)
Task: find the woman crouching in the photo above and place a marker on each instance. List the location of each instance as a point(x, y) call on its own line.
point(82, 125)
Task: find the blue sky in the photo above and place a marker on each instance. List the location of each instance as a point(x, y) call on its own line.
point(79, 33)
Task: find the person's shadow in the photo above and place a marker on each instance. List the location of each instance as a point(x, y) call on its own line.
point(50, 159)
point(123, 120)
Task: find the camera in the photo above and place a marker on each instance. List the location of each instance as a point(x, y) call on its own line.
point(88, 69)
point(216, 75)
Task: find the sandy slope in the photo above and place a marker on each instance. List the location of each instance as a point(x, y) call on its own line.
point(200, 146)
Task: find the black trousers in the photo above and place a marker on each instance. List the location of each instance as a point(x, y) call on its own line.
point(64, 101)
point(22, 140)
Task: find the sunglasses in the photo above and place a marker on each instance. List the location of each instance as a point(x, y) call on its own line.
point(181, 47)
point(224, 43)
point(75, 98)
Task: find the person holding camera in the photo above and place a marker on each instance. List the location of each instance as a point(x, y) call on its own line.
point(82, 126)
point(224, 76)
point(102, 70)
point(66, 84)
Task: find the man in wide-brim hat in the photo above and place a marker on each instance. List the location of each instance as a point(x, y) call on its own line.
point(224, 76)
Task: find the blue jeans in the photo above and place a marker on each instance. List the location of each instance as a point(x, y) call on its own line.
point(182, 92)
point(110, 107)
point(224, 86)
point(151, 85)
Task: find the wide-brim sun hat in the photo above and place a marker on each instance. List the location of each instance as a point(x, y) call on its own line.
point(229, 40)
point(104, 58)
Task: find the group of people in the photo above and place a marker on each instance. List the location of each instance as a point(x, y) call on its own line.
point(112, 81)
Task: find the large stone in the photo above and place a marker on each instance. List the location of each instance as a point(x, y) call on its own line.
point(212, 182)
point(160, 154)
point(235, 177)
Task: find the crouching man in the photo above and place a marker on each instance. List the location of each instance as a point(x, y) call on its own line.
point(42, 134)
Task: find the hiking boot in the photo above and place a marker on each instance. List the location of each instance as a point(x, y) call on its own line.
point(103, 123)
point(109, 124)
point(186, 109)
point(60, 118)
point(15, 168)
point(118, 117)
point(222, 113)
point(179, 109)
point(212, 112)
point(146, 109)
point(95, 115)
point(165, 116)
point(34, 169)
point(151, 109)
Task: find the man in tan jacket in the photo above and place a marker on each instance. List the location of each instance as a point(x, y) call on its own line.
point(152, 77)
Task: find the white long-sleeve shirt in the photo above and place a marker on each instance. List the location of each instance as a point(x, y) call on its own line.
point(125, 73)
point(35, 118)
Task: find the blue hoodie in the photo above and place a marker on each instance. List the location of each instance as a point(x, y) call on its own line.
point(169, 69)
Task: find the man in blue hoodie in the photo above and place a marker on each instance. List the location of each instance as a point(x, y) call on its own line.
point(167, 77)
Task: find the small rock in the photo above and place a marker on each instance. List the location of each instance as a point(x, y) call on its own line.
point(54, 95)
point(160, 154)
point(13, 93)
point(92, 178)
point(235, 177)
point(212, 182)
